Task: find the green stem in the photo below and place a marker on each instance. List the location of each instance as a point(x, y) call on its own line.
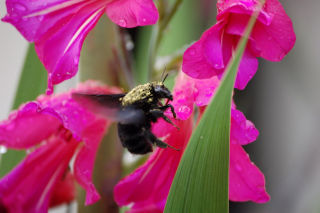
point(124, 57)
point(157, 35)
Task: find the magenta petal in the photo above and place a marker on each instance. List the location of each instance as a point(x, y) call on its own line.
point(183, 94)
point(59, 25)
point(13, 132)
point(27, 188)
point(272, 37)
point(132, 13)
point(247, 69)
point(74, 117)
point(35, 17)
point(66, 40)
point(246, 181)
point(84, 162)
point(243, 131)
point(205, 90)
point(277, 39)
point(204, 58)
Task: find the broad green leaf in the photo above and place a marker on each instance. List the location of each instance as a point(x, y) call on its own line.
point(201, 181)
point(33, 82)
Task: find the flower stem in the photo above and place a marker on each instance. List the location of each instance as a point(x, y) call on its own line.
point(125, 57)
point(157, 34)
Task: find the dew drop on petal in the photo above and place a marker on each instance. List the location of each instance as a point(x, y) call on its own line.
point(10, 127)
point(192, 52)
point(184, 109)
point(144, 20)
point(238, 167)
point(122, 23)
point(40, 18)
point(218, 66)
point(20, 7)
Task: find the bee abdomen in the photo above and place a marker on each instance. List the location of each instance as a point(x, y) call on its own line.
point(133, 138)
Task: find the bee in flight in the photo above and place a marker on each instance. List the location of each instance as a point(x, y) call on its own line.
point(134, 112)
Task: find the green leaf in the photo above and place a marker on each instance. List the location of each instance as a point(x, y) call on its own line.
point(201, 181)
point(33, 82)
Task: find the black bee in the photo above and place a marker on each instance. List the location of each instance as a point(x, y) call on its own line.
point(135, 112)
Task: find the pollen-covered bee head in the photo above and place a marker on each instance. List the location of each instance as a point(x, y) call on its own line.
point(161, 90)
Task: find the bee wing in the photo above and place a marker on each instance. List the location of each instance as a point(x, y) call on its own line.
point(108, 106)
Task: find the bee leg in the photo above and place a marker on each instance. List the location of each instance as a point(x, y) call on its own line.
point(171, 108)
point(158, 142)
point(159, 114)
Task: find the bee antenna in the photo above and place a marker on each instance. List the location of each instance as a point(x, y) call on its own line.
point(165, 77)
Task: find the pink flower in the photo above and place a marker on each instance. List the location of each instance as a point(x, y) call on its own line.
point(148, 187)
point(59, 27)
point(272, 38)
point(55, 129)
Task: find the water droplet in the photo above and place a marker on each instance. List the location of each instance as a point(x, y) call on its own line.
point(218, 66)
point(20, 7)
point(184, 109)
point(122, 23)
point(64, 102)
point(250, 76)
point(200, 103)
point(144, 20)
point(10, 127)
point(281, 56)
point(3, 149)
point(238, 167)
point(208, 93)
point(192, 52)
point(40, 18)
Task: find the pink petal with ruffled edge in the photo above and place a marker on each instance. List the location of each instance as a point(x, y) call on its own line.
point(247, 69)
point(132, 13)
point(189, 91)
point(277, 39)
point(148, 186)
point(66, 40)
point(42, 168)
point(13, 132)
point(85, 126)
point(64, 111)
point(272, 37)
point(183, 94)
point(60, 26)
point(246, 181)
point(243, 131)
point(204, 58)
point(208, 57)
point(84, 163)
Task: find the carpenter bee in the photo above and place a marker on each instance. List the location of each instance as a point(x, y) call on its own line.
point(134, 111)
